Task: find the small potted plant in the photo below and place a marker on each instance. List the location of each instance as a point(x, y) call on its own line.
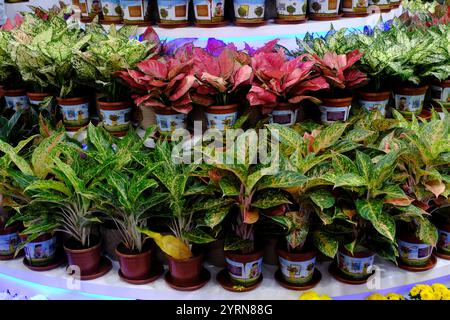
point(249, 13)
point(173, 13)
point(291, 11)
point(355, 8)
point(294, 79)
point(210, 13)
point(97, 67)
point(324, 10)
point(112, 11)
point(136, 12)
point(342, 76)
point(441, 218)
point(221, 79)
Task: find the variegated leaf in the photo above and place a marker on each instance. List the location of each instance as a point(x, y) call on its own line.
point(382, 221)
point(328, 136)
point(325, 243)
point(324, 199)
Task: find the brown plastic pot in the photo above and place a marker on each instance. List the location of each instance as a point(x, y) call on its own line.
point(243, 259)
point(186, 272)
point(67, 110)
point(329, 108)
point(374, 100)
point(135, 266)
point(411, 91)
point(410, 238)
point(40, 261)
point(37, 97)
point(298, 261)
point(14, 92)
point(117, 111)
point(87, 260)
point(221, 117)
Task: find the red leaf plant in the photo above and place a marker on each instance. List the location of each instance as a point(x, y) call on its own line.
point(163, 83)
point(280, 80)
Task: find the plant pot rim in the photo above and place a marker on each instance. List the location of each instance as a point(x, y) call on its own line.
point(43, 237)
point(374, 95)
point(286, 106)
point(16, 226)
point(237, 255)
point(37, 95)
point(193, 258)
point(409, 238)
point(71, 101)
point(336, 102)
point(411, 90)
point(296, 256)
point(145, 251)
point(117, 105)
point(442, 83)
point(14, 92)
point(360, 254)
point(91, 248)
point(229, 108)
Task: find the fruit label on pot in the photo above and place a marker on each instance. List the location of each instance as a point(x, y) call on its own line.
point(332, 114)
point(290, 9)
point(116, 120)
point(355, 6)
point(297, 271)
point(414, 251)
point(76, 115)
point(17, 103)
point(9, 243)
point(112, 8)
point(409, 104)
point(171, 122)
point(173, 10)
point(249, 10)
point(221, 121)
point(244, 272)
point(382, 4)
point(284, 117)
point(324, 7)
point(134, 10)
point(441, 94)
point(353, 266)
point(39, 253)
point(444, 241)
point(209, 10)
point(373, 105)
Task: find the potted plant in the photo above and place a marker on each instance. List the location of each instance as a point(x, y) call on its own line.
point(291, 11)
point(342, 77)
point(136, 12)
point(209, 13)
point(355, 8)
point(112, 11)
point(164, 84)
point(97, 66)
point(324, 10)
point(441, 219)
point(221, 80)
point(173, 13)
point(280, 85)
point(249, 13)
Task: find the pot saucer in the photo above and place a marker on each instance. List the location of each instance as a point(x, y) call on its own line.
point(155, 272)
point(173, 25)
point(441, 255)
point(205, 276)
point(338, 275)
point(11, 256)
point(223, 277)
point(430, 265)
point(212, 24)
point(317, 276)
point(286, 21)
point(249, 24)
point(104, 266)
point(59, 259)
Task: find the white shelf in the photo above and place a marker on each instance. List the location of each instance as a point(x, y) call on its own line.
point(57, 285)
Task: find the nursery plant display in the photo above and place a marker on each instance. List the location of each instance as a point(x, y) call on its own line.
point(136, 12)
point(112, 11)
point(355, 8)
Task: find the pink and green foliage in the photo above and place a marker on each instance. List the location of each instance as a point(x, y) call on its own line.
point(280, 80)
point(338, 69)
point(163, 83)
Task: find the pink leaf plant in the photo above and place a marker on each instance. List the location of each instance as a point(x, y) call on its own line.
point(280, 80)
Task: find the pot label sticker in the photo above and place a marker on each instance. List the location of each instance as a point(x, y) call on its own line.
point(40, 253)
point(414, 252)
point(112, 8)
point(354, 6)
point(441, 94)
point(249, 10)
point(297, 271)
point(324, 7)
point(173, 10)
point(244, 272)
point(9, 243)
point(284, 117)
point(409, 104)
point(76, 115)
point(94, 7)
point(134, 10)
point(332, 114)
point(221, 121)
point(444, 241)
point(17, 103)
point(353, 266)
point(290, 9)
point(171, 122)
point(116, 120)
point(209, 10)
point(373, 105)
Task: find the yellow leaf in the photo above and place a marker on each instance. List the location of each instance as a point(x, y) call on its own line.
point(171, 245)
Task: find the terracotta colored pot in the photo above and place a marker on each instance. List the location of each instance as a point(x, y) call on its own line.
point(135, 266)
point(357, 265)
point(115, 116)
point(297, 267)
point(244, 269)
point(186, 272)
point(288, 11)
point(413, 251)
point(41, 251)
point(86, 259)
point(37, 97)
point(284, 114)
point(370, 101)
point(214, 253)
point(16, 99)
point(409, 100)
point(335, 109)
point(9, 239)
point(440, 90)
point(75, 111)
point(221, 117)
point(169, 120)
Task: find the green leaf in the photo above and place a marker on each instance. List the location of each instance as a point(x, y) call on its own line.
point(270, 199)
point(49, 185)
point(364, 165)
point(324, 199)
point(286, 222)
point(343, 164)
point(326, 243)
point(328, 136)
point(228, 187)
point(427, 232)
point(372, 210)
point(349, 180)
point(214, 217)
point(384, 168)
point(20, 162)
point(198, 236)
point(282, 180)
point(234, 243)
point(350, 246)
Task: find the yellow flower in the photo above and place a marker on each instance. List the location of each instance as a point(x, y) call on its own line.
point(310, 295)
point(414, 292)
point(325, 297)
point(439, 288)
point(446, 295)
point(426, 295)
point(376, 296)
point(437, 295)
point(394, 296)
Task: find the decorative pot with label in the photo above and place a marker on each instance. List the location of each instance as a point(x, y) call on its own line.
point(173, 13)
point(324, 9)
point(249, 12)
point(135, 12)
point(291, 11)
point(355, 8)
point(209, 13)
